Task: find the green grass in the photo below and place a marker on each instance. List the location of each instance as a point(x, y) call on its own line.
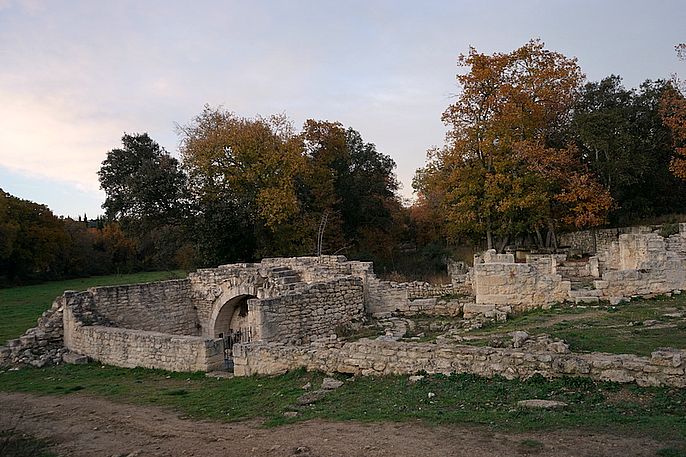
point(671, 452)
point(614, 329)
point(458, 399)
point(20, 307)
point(15, 444)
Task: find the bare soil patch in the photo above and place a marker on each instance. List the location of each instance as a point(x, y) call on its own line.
point(79, 425)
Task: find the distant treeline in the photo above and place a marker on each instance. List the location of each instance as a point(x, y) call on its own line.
point(531, 151)
point(36, 245)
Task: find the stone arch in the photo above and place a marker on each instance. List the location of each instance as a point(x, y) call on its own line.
point(233, 316)
point(231, 298)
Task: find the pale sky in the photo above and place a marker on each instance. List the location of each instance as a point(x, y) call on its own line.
point(75, 75)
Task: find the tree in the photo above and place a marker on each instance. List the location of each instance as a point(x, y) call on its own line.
point(622, 139)
point(142, 182)
point(242, 174)
point(146, 193)
point(673, 112)
point(513, 110)
point(31, 238)
point(354, 184)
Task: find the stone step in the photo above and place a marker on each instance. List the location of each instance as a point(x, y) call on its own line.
point(574, 293)
point(578, 300)
point(282, 273)
point(288, 279)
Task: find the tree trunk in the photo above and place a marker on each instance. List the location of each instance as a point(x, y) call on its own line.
point(503, 244)
point(553, 237)
point(489, 239)
point(539, 239)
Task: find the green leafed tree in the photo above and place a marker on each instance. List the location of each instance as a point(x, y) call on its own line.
point(142, 182)
point(242, 174)
point(146, 192)
point(354, 184)
point(622, 138)
point(31, 239)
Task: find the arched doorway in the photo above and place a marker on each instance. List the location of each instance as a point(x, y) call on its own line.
point(234, 324)
point(234, 316)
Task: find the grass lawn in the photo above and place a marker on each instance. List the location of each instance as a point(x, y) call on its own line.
point(456, 399)
point(21, 306)
point(618, 329)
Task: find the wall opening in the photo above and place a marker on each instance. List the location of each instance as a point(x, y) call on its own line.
point(235, 320)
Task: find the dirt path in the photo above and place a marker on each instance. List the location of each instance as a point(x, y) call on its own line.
point(87, 426)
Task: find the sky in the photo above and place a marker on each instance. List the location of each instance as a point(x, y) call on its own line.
point(76, 75)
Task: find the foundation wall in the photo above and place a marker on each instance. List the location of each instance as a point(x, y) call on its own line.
point(378, 358)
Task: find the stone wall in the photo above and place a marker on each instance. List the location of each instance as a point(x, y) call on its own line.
point(313, 312)
point(378, 358)
point(643, 264)
point(137, 348)
point(498, 280)
point(163, 306)
point(41, 345)
point(384, 297)
point(582, 242)
point(211, 288)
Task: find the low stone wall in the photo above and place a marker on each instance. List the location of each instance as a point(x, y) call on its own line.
point(387, 297)
point(137, 348)
point(498, 280)
point(436, 306)
point(383, 297)
point(41, 345)
point(378, 358)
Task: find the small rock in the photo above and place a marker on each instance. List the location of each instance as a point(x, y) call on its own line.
point(307, 386)
point(542, 404)
point(558, 347)
point(674, 315)
point(290, 414)
point(650, 322)
point(331, 384)
point(415, 378)
point(310, 397)
point(431, 395)
point(518, 338)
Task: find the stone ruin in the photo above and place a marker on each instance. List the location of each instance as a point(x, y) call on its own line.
point(285, 313)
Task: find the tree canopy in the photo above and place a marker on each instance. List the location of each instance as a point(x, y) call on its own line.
point(507, 168)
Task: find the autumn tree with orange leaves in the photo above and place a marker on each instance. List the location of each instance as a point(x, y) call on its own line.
point(673, 111)
point(506, 170)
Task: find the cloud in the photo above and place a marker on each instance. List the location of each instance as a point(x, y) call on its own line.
point(46, 137)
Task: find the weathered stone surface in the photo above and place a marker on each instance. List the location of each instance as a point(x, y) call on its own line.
point(74, 358)
point(541, 404)
point(331, 384)
point(368, 357)
point(518, 338)
point(311, 397)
